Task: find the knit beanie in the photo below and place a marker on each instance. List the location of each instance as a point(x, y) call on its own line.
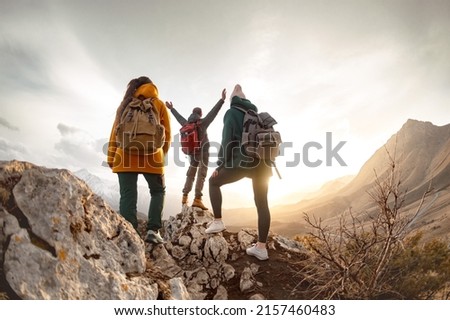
point(238, 92)
point(197, 110)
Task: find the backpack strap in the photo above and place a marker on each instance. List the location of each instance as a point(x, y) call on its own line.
point(152, 109)
point(249, 111)
point(240, 109)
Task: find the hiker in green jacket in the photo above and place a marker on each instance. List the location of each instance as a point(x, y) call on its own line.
point(233, 165)
point(198, 162)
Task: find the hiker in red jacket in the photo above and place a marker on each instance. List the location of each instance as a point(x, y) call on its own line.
point(200, 158)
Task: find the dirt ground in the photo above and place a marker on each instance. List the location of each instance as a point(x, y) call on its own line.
point(279, 277)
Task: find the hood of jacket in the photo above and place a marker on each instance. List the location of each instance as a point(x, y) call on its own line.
point(243, 103)
point(148, 90)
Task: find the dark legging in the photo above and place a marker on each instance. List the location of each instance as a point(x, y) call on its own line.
point(260, 184)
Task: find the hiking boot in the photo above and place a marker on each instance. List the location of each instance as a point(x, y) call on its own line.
point(215, 226)
point(199, 204)
point(153, 237)
point(260, 254)
point(184, 199)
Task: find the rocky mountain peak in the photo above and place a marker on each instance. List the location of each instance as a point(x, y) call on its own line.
point(413, 123)
point(59, 240)
point(414, 148)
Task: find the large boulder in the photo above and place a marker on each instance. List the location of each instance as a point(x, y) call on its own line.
point(61, 241)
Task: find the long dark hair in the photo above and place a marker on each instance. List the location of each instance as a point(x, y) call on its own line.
point(131, 88)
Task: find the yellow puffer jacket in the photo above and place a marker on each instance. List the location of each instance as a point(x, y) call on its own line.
point(121, 161)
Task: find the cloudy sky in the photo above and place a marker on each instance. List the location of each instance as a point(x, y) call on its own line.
point(357, 69)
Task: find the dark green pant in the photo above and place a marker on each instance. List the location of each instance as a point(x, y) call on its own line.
point(129, 194)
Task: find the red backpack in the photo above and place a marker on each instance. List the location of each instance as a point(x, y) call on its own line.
point(189, 137)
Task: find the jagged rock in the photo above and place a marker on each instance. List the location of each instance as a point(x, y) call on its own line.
point(178, 252)
point(216, 249)
point(185, 241)
point(214, 283)
point(196, 247)
point(66, 242)
point(196, 291)
point(204, 266)
point(228, 271)
point(245, 238)
point(254, 268)
point(202, 277)
point(247, 281)
point(213, 271)
point(165, 262)
point(221, 294)
point(214, 276)
point(178, 290)
point(288, 244)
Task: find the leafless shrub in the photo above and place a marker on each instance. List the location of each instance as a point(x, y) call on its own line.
point(374, 256)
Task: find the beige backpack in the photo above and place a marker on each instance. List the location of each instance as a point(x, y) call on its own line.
point(139, 130)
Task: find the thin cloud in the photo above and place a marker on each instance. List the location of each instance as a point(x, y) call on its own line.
point(10, 151)
point(5, 123)
point(66, 130)
point(78, 149)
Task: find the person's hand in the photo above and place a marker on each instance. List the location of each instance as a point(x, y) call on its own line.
point(169, 105)
point(224, 94)
point(215, 173)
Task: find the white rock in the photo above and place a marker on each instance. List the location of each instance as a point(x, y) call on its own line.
point(216, 249)
point(221, 294)
point(77, 246)
point(247, 281)
point(178, 290)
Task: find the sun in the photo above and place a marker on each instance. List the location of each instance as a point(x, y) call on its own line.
point(281, 190)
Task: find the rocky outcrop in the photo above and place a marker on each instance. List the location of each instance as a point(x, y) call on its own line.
point(59, 240)
point(208, 263)
point(200, 259)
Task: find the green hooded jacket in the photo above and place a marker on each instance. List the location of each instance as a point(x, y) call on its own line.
point(230, 153)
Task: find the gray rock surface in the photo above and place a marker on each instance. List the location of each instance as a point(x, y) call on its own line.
point(59, 240)
point(64, 241)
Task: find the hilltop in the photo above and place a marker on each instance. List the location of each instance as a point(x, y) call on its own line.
point(60, 240)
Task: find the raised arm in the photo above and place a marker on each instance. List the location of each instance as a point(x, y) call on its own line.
point(181, 120)
point(215, 110)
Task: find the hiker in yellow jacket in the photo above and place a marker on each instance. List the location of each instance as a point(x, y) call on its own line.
point(129, 166)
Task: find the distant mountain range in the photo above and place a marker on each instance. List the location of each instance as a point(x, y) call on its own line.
point(422, 155)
